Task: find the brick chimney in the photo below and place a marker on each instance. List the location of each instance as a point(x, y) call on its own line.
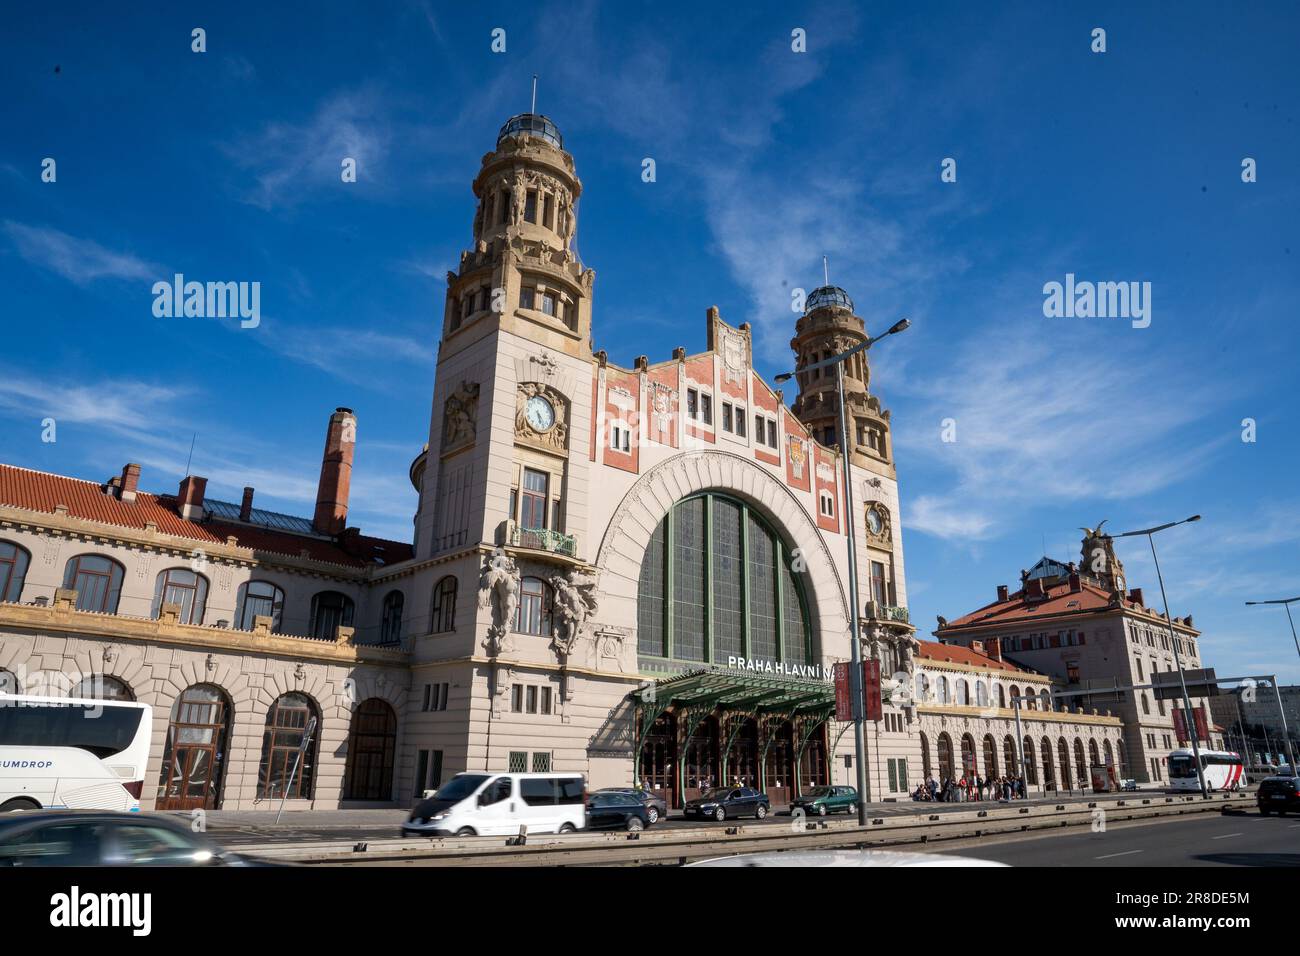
point(1002, 592)
point(246, 506)
point(993, 647)
point(189, 500)
point(1135, 595)
point(1076, 584)
point(336, 473)
point(129, 483)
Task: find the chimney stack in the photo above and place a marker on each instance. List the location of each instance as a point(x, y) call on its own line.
point(1076, 584)
point(336, 473)
point(190, 497)
point(129, 483)
point(1002, 592)
point(1135, 595)
point(246, 506)
point(993, 647)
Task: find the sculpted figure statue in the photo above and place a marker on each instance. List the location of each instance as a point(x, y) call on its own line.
point(499, 589)
point(575, 603)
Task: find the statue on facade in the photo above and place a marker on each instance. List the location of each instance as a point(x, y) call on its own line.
point(575, 603)
point(460, 416)
point(499, 589)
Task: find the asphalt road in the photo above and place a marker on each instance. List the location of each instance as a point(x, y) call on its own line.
point(1235, 839)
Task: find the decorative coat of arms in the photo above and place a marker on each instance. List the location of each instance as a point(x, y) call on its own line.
point(798, 455)
point(734, 358)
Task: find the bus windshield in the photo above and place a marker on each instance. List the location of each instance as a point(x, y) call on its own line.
point(1181, 765)
point(98, 728)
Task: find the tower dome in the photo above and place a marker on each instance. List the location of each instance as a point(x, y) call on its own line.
point(531, 124)
point(831, 296)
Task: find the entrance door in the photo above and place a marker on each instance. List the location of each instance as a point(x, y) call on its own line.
point(659, 759)
point(195, 750)
point(780, 767)
point(702, 759)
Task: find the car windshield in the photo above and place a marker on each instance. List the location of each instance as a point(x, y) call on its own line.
point(717, 793)
point(822, 792)
point(461, 787)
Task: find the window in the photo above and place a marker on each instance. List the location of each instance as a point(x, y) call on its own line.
point(545, 707)
point(726, 417)
point(390, 626)
point(99, 687)
point(518, 762)
point(1072, 672)
point(428, 772)
point(330, 610)
point(259, 599)
point(740, 421)
point(827, 503)
point(435, 697)
point(706, 409)
point(442, 612)
point(759, 425)
point(13, 571)
point(551, 304)
point(620, 437)
point(771, 433)
point(531, 700)
point(692, 403)
point(97, 581)
point(533, 512)
point(517, 698)
point(526, 296)
point(184, 588)
point(530, 206)
point(548, 212)
point(534, 613)
point(286, 727)
point(879, 593)
point(541, 763)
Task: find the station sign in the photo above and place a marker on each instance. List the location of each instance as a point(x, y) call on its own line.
point(1200, 683)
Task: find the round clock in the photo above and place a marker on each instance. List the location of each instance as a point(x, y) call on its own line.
point(540, 414)
point(874, 524)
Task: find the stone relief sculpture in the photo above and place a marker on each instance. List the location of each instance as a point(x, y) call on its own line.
point(575, 603)
point(498, 588)
point(460, 417)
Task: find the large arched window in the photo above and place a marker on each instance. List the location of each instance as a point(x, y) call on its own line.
point(1080, 764)
point(13, 571)
point(372, 741)
point(195, 752)
point(1049, 769)
point(330, 610)
point(990, 757)
point(941, 689)
point(945, 758)
point(981, 694)
point(926, 769)
point(286, 723)
point(442, 612)
point(922, 688)
point(1063, 756)
point(716, 582)
point(99, 687)
point(183, 587)
point(1002, 696)
point(1009, 760)
point(97, 581)
point(963, 692)
point(1031, 769)
point(259, 599)
point(968, 768)
point(533, 616)
point(390, 626)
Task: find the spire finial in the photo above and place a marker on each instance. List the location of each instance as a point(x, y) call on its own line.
point(826, 271)
point(533, 109)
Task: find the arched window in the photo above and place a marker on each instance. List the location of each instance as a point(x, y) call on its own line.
point(1063, 752)
point(945, 757)
point(259, 599)
point(1045, 699)
point(1146, 705)
point(1110, 754)
point(13, 571)
point(97, 581)
point(185, 588)
point(195, 751)
point(8, 682)
point(990, 757)
point(1031, 768)
point(372, 741)
point(1002, 696)
point(99, 687)
point(443, 610)
point(981, 694)
point(941, 689)
point(1009, 760)
point(533, 616)
point(963, 692)
point(1094, 758)
point(926, 770)
point(390, 625)
point(1081, 764)
point(1049, 764)
point(286, 723)
point(330, 610)
point(716, 567)
point(1015, 692)
point(967, 755)
point(1123, 757)
point(922, 688)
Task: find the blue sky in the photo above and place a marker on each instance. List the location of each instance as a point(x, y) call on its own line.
point(1122, 166)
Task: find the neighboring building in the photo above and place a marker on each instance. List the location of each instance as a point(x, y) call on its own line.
point(1088, 630)
point(1259, 709)
point(635, 573)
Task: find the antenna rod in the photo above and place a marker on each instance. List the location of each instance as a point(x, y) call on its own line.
point(191, 457)
point(826, 272)
point(533, 109)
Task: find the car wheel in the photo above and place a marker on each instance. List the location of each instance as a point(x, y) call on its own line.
point(634, 824)
point(821, 810)
point(466, 832)
point(19, 803)
point(568, 828)
point(760, 812)
point(719, 814)
point(653, 814)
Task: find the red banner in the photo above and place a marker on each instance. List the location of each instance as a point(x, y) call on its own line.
point(1180, 724)
point(843, 698)
point(871, 689)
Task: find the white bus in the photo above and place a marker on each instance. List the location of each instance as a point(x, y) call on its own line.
point(64, 752)
point(1223, 770)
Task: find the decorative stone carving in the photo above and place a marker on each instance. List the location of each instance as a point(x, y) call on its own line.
point(661, 403)
point(735, 356)
point(555, 438)
point(798, 455)
point(609, 645)
point(879, 525)
point(460, 417)
point(499, 589)
point(575, 602)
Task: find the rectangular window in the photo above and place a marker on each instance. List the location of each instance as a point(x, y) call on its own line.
point(548, 212)
point(550, 304)
point(530, 206)
point(518, 761)
point(692, 403)
point(557, 517)
point(758, 428)
point(526, 295)
point(532, 700)
point(1072, 672)
point(740, 421)
point(435, 771)
point(902, 772)
point(771, 433)
point(893, 776)
point(441, 692)
point(541, 763)
point(620, 438)
point(827, 505)
point(517, 698)
point(503, 203)
point(726, 416)
point(421, 773)
point(428, 693)
point(534, 499)
point(706, 409)
point(878, 592)
point(546, 700)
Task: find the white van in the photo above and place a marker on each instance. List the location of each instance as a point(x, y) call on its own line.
point(494, 804)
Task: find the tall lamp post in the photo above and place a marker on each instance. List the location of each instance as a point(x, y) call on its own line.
point(1286, 603)
point(1173, 642)
point(855, 650)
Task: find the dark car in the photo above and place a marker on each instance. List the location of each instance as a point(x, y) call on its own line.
point(1278, 793)
point(79, 838)
point(823, 800)
point(720, 803)
point(655, 805)
point(627, 811)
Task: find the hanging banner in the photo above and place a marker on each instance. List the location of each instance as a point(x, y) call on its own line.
point(871, 689)
point(843, 698)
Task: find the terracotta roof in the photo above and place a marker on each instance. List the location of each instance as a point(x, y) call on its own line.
point(87, 500)
point(958, 654)
point(1059, 600)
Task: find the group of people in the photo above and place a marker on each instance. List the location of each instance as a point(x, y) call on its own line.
point(971, 788)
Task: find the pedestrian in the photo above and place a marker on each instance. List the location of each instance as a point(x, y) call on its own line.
point(980, 785)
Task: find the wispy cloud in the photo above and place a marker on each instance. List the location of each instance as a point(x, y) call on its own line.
point(124, 407)
point(80, 260)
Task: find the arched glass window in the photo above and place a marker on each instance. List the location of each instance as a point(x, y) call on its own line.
point(1031, 769)
point(330, 610)
point(97, 581)
point(1009, 755)
point(286, 723)
point(1049, 770)
point(990, 757)
point(1002, 696)
point(390, 627)
point(13, 571)
point(185, 588)
point(941, 689)
point(1110, 754)
point(981, 694)
point(443, 609)
point(259, 599)
point(195, 752)
point(1094, 758)
point(922, 687)
point(963, 692)
point(1063, 754)
point(1015, 692)
point(926, 769)
point(533, 616)
point(968, 768)
point(372, 742)
point(1080, 764)
point(715, 567)
point(99, 687)
point(1046, 699)
point(945, 757)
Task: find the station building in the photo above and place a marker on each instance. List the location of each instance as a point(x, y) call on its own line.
point(638, 573)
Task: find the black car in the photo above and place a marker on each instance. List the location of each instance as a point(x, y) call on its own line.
point(1278, 793)
point(80, 838)
point(655, 805)
point(607, 808)
point(721, 803)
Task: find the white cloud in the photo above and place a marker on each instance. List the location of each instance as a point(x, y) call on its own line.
point(80, 260)
point(948, 518)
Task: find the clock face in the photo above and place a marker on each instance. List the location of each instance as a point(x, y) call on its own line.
point(874, 524)
point(540, 413)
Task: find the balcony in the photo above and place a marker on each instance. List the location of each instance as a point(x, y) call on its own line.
point(887, 612)
point(544, 539)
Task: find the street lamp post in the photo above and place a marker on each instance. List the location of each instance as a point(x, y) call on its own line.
point(1173, 641)
point(1286, 604)
point(855, 651)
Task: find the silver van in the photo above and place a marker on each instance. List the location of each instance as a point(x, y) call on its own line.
point(495, 804)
